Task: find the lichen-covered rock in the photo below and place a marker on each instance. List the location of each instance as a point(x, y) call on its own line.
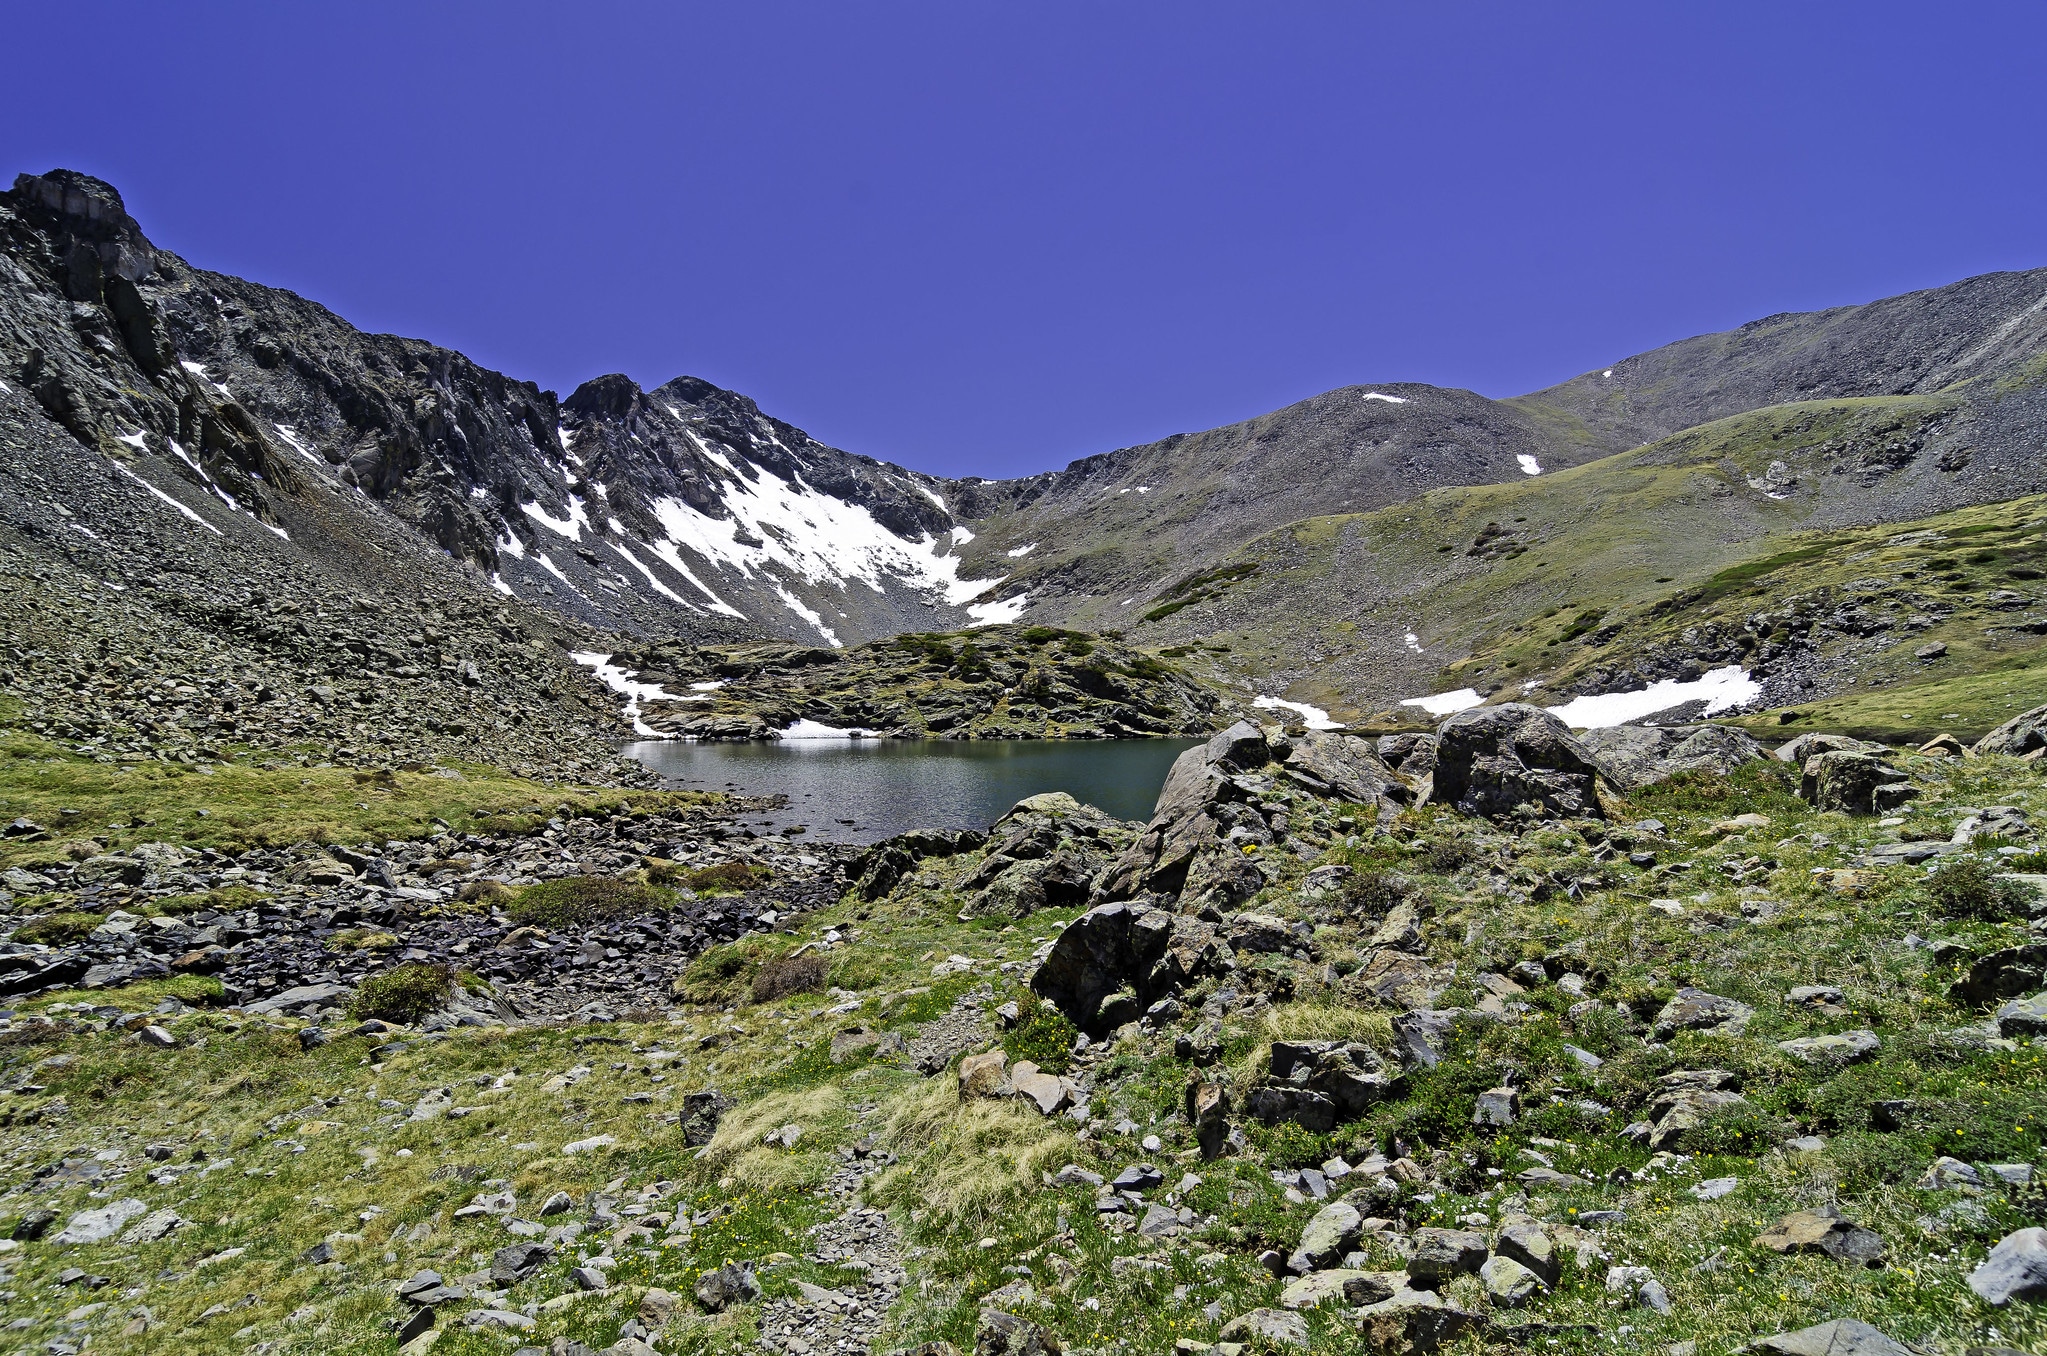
point(1493, 760)
point(2025, 733)
point(1635, 756)
point(1320, 1083)
point(1852, 782)
point(1209, 812)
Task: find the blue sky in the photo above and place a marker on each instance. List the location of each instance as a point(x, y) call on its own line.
point(986, 239)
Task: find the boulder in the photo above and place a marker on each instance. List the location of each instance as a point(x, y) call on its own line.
point(1824, 1230)
point(984, 1075)
point(1635, 756)
point(2008, 973)
point(1855, 783)
point(1208, 1111)
point(701, 1112)
point(1508, 1284)
point(1496, 1107)
point(731, 1284)
point(1697, 1010)
point(1048, 1093)
point(96, 1226)
point(1524, 1241)
point(2015, 1270)
point(1841, 1337)
point(1441, 1255)
point(2023, 1017)
point(1492, 760)
point(2022, 734)
point(519, 1262)
point(1114, 961)
point(1208, 811)
point(1846, 1047)
point(1276, 1326)
point(1004, 1334)
point(1685, 1101)
point(1319, 1083)
point(1341, 1286)
point(882, 867)
point(1332, 1232)
point(1415, 1321)
point(1806, 745)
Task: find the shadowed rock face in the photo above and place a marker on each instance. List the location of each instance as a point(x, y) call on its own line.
point(1493, 760)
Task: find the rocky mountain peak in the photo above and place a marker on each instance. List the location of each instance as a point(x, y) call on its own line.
point(89, 216)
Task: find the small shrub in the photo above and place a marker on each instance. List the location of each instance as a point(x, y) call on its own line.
point(661, 872)
point(1967, 887)
point(727, 878)
point(485, 892)
point(1375, 892)
point(789, 974)
point(234, 898)
point(57, 929)
point(405, 994)
point(2029, 864)
point(723, 974)
point(1043, 1036)
point(574, 900)
point(1449, 856)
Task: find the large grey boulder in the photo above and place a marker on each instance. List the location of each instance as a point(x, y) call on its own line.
point(1045, 853)
point(2023, 734)
point(1316, 1084)
point(1114, 961)
point(2015, 1270)
point(1493, 760)
point(1856, 783)
point(1208, 811)
point(1635, 756)
point(1333, 1232)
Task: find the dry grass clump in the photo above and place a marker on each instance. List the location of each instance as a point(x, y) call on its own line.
point(964, 1163)
point(789, 974)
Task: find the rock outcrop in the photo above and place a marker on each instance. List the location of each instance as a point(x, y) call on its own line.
point(1494, 760)
point(1211, 818)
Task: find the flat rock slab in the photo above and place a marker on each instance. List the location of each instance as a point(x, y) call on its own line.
point(1842, 1337)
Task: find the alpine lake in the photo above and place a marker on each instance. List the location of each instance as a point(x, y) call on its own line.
point(865, 790)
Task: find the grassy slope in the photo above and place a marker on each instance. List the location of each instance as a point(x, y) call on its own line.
point(236, 805)
point(1486, 577)
point(245, 1091)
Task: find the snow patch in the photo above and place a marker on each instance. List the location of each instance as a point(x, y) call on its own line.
point(1390, 400)
point(570, 527)
point(1607, 373)
point(292, 440)
point(497, 581)
point(136, 440)
point(561, 435)
point(811, 729)
point(1447, 703)
point(787, 524)
point(1413, 642)
point(711, 685)
point(1314, 716)
point(999, 612)
point(1023, 550)
point(5, 389)
point(199, 370)
point(1529, 465)
point(555, 570)
point(815, 618)
point(621, 681)
point(932, 495)
point(657, 585)
point(168, 500)
point(511, 545)
point(1722, 689)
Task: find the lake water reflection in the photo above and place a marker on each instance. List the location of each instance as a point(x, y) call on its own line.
point(885, 786)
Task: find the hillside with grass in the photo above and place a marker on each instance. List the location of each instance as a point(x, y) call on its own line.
point(1702, 1062)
